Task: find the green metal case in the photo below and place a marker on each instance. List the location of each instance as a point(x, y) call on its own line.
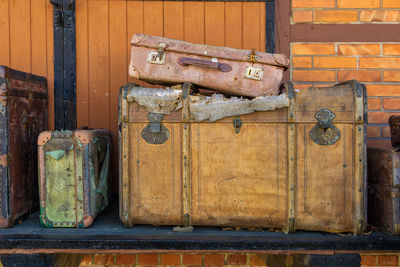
point(73, 176)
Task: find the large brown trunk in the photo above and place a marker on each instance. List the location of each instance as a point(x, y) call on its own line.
point(23, 117)
point(268, 172)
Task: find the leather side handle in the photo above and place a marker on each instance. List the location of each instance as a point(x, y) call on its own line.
point(186, 61)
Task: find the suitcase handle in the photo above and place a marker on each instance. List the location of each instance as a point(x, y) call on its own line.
point(186, 61)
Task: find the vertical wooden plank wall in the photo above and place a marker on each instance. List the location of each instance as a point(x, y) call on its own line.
point(105, 27)
point(26, 40)
point(103, 32)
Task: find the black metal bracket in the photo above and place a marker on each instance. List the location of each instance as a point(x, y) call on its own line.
point(270, 27)
point(64, 64)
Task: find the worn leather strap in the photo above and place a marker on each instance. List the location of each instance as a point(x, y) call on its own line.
point(186, 61)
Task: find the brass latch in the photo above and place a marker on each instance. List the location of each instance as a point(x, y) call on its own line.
point(159, 56)
point(161, 49)
point(324, 132)
point(253, 58)
point(155, 132)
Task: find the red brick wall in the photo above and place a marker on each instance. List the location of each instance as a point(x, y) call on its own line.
point(345, 11)
point(379, 260)
point(176, 259)
point(375, 64)
point(221, 259)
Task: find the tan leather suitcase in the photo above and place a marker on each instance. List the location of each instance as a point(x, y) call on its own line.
point(74, 169)
point(296, 167)
point(23, 115)
point(384, 189)
point(229, 70)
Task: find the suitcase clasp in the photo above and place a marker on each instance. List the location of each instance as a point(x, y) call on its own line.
point(159, 56)
point(155, 132)
point(237, 124)
point(253, 58)
point(324, 132)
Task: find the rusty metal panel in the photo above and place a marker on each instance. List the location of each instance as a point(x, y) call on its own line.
point(74, 171)
point(23, 105)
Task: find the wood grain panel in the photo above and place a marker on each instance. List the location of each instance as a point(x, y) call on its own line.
point(82, 61)
point(153, 15)
point(251, 25)
point(324, 194)
point(262, 37)
point(194, 22)
point(38, 35)
point(155, 189)
point(50, 62)
point(118, 72)
point(236, 181)
point(173, 20)
point(5, 33)
point(99, 68)
point(214, 23)
point(233, 24)
point(134, 17)
point(20, 35)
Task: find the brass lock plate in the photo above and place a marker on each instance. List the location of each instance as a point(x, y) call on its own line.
point(254, 73)
point(154, 57)
point(324, 132)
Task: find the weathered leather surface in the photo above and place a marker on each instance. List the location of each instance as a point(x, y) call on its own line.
point(232, 82)
point(24, 116)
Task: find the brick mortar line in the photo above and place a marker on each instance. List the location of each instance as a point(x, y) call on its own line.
point(329, 82)
point(378, 124)
point(354, 69)
point(345, 43)
point(366, 83)
point(384, 111)
point(343, 9)
point(353, 23)
point(350, 56)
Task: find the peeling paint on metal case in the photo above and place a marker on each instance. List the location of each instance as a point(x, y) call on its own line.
point(81, 159)
point(23, 102)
